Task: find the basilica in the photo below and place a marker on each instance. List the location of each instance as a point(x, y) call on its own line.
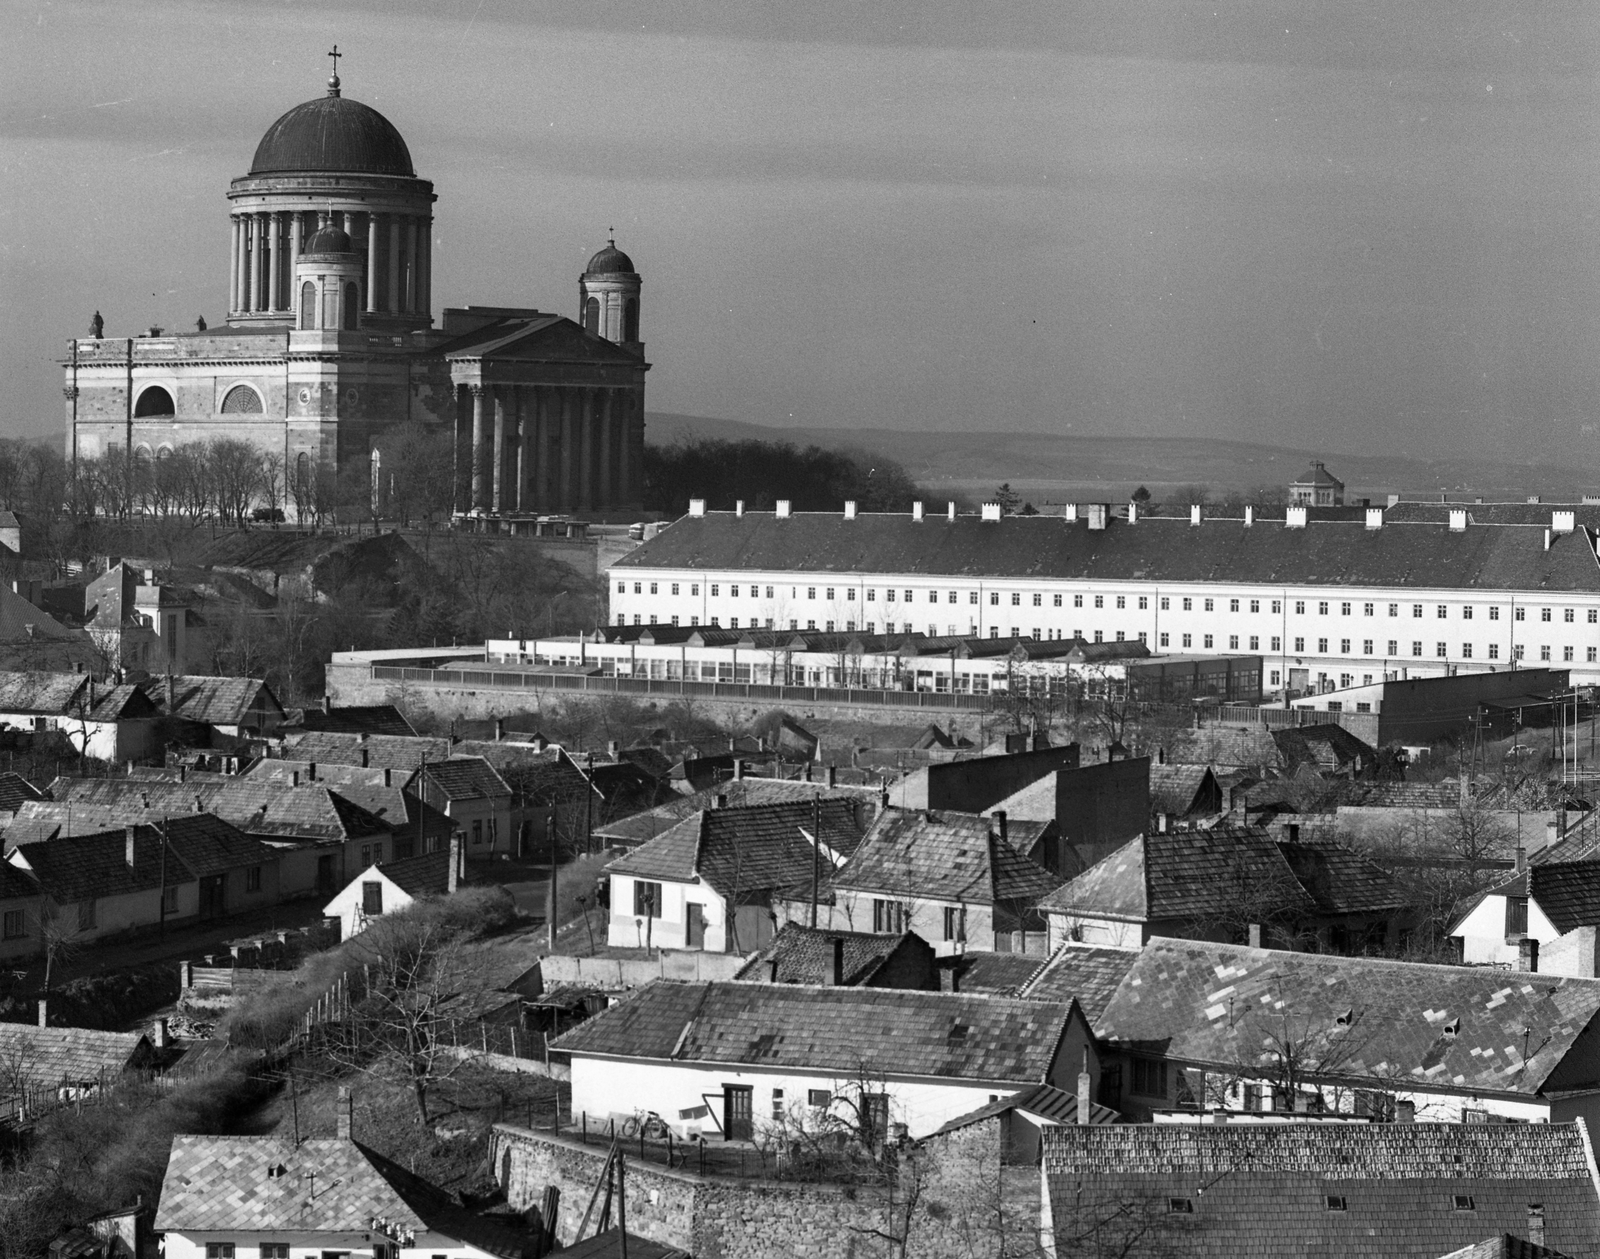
point(331, 341)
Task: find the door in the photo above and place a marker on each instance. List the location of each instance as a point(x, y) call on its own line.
point(1300, 680)
point(695, 926)
point(325, 873)
point(738, 1112)
point(214, 896)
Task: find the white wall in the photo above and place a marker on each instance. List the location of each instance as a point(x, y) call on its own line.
point(669, 931)
point(346, 906)
point(1099, 931)
point(1483, 934)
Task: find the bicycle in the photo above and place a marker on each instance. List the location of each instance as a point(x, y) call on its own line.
point(652, 1125)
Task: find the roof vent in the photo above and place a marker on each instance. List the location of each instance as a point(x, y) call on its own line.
point(1194, 513)
point(916, 510)
point(850, 509)
point(1452, 1029)
point(1458, 520)
point(1563, 521)
point(1249, 516)
point(738, 507)
point(1374, 518)
point(697, 507)
point(1294, 518)
point(783, 509)
point(991, 511)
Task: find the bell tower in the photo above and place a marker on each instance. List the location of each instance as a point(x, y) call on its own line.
point(608, 298)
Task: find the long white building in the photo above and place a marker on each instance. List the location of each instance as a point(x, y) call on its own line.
point(1329, 603)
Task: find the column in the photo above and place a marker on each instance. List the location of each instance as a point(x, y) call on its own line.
point(254, 294)
point(296, 247)
point(411, 289)
point(425, 269)
point(349, 223)
point(569, 433)
point(233, 265)
point(372, 264)
point(606, 495)
point(392, 305)
point(519, 397)
point(477, 446)
point(275, 226)
point(539, 427)
point(625, 446)
point(586, 410)
point(499, 467)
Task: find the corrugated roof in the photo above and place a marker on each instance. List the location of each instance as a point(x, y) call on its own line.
point(943, 855)
point(1338, 553)
point(893, 1030)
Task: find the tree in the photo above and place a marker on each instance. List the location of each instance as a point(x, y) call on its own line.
point(1007, 497)
point(761, 473)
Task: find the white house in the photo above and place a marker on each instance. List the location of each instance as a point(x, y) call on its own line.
point(714, 880)
point(725, 1060)
point(1544, 919)
point(384, 887)
point(110, 723)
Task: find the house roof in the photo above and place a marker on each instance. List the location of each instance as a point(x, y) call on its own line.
point(1176, 789)
point(748, 851)
point(1261, 1191)
point(1462, 1029)
point(1055, 1105)
point(893, 1030)
point(1324, 746)
point(1505, 1246)
point(1325, 552)
point(123, 702)
point(402, 810)
point(16, 884)
point(1004, 974)
point(1087, 974)
point(943, 855)
point(257, 806)
point(208, 845)
point(88, 867)
point(805, 956)
point(466, 778)
point(1568, 892)
point(427, 874)
point(39, 692)
point(375, 751)
point(210, 701)
point(740, 793)
point(1580, 843)
point(1035, 802)
point(15, 790)
point(358, 719)
point(46, 1056)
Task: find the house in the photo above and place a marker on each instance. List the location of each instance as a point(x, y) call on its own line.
point(740, 791)
point(1019, 1120)
point(40, 1065)
point(475, 799)
point(1329, 749)
point(1201, 1026)
point(1317, 487)
point(1096, 808)
point(545, 783)
point(15, 791)
point(1003, 974)
point(1184, 791)
point(715, 879)
point(107, 723)
point(980, 782)
point(1231, 883)
point(19, 913)
point(1544, 918)
point(402, 753)
point(357, 719)
point(136, 623)
point(1265, 1191)
point(122, 1233)
point(801, 955)
point(237, 707)
point(949, 877)
point(1084, 973)
point(728, 1059)
point(382, 888)
point(416, 827)
point(267, 1196)
point(31, 640)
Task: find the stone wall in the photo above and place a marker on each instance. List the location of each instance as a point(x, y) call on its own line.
point(962, 1204)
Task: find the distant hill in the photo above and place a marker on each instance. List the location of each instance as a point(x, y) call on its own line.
point(1047, 467)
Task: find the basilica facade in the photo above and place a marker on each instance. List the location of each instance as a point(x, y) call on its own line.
point(330, 342)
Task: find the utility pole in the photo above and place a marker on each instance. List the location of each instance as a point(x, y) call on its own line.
point(555, 858)
point(162, 919)
point(816, 855)
point(588, 799)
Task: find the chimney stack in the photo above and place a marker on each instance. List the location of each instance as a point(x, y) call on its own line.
point(1000, 821)
point(833, 776)
point(1085, 1091)
point(1522, 859)
point(388, 777)
point(1161, 823)
point(158, 1033)
point(294, 778)
point(311, 771)
point(129, 833)
point(44, 1012)
point(453, 878)
point(499, 729)
point(836, 971)
point(772, 971)
point(1527, 954)
point(614, 749)
point(1255, 935)
point(722, 800)
point(366, 762)
point(343, 1114)
point(1405, 1112)
point(738, 769)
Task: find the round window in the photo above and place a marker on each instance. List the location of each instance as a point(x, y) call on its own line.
point(305, 395)
point(351, 397)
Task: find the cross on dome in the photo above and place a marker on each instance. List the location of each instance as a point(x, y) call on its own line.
point(333, 83)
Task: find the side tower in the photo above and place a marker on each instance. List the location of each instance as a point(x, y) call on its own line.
point(608, 298)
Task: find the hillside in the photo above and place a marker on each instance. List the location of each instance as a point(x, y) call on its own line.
point(1047, 467)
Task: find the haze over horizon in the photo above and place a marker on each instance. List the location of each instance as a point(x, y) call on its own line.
point(1365, 227)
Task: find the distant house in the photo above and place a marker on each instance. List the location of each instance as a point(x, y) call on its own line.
point(32, 640)
point(136, 623)
point(15, 791)
point(41, 1065)
point(1184, 791)
point(1019, 1120)
point(1545, 918)
point(1097, 808)
point(1235, 885)
point(1317, 487)
point(1402, 1191)
point(108, 723)
point(714, 881)
point(948, 876)
point(475, 798)
point(725, 1060)
point(393, 885)
point(741, 791)
point(801, 955)
point(416, 827)
point(98, 885)
point(237, 707)
point(1329, 749)
point(357, 719)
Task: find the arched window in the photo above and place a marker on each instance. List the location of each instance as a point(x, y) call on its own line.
point(154, 401)
point(630, 320)
point(591, 315)
point(241, 400)
point(330, 306)
point(141, 453)
point(352, 307)
point(308, 306)
point(164, 452)
point(302, 469)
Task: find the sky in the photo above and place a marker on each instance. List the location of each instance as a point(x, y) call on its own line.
point(1347, 226)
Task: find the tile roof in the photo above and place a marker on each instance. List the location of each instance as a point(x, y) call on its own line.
point(1580, 843)
point(46, 1056)
point(210, 701)
point(393, 805)
point(1568, 892)
point(375, 751)
point(749, 851)
point(1261, 1191)
point(257, 806)
point(425, 875)
point(16, 884)
point(88, 867)
point(208, 845)
point(1441, 1028)
point(37, 692)
point(1087, 974)
point(740, 793)
point(358, 719)
point(1176, 789)
point(1421, 556)
point(896, 1030)
point(466, 778)
point(15, 790)
point(805, 956)
point(943, 855)
point(1324, 746)
point(1505, 1246)
point(1043, 1100)
point(1004, 974)
point(125, 702)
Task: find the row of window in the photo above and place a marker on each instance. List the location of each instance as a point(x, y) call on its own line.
point(1396, 648)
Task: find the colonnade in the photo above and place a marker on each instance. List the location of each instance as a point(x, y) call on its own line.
point(545, 448)
point(266, 244)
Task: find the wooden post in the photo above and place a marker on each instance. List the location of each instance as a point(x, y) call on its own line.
point(622, 1196)
point(554, 864)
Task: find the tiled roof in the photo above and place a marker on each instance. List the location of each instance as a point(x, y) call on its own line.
point(256, 806)
point(1084, 973)
point(1043, 1100)
point(15, 790)
point(740, 793)
point(465, 778)
point(1580, 843)
point(16, 884)
point(652, 761)
point(208, 845)
point(358, 719)
point(1174, 788)
point(1453, 1028)
point(1036, 801)
point(1421, 556)
point(377, 751)
point(1325, 746)
point(744, 852)
point(424, 875)
point(392, 804)
point(943, 855)
point(1568, 893)
point(209, 701)
point(1505, 1246)
point(805, 956)
point(1262, 1191)
point(36, 692)
point(46, 1056)
point(85, 867)
point(549, 776)
point(124, 702)
point(1390, 795)
point(1004, 974)
point(904, 1032)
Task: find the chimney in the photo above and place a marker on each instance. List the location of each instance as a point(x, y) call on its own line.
point(990, 511)
point(1000, 821)
point(738, 769)
point(294, 778)
point(172, 695)
point(158, 1033)
point(1522, 858)
point(836, 970)
point(1546, 547)
point(1294, 518)
point(1375, 518)
point(1071, 512)
point(722, 800)
point(808, 771)
point(183, 773)
point(388, 776)
point(1293, 830)
point(128, 835)
point(185, 975)
point(1194, 513)
point(738, 507)
point(614, 749)
point(1133, 513)
point(1085, 1091)
point(327, 704)
point(1255, 935)
point(697, 507)
point(950, 512)
point(452, 878)
point(849, 509)
point(1235, 798)
point(772, 971)
point(1405, 1112)
point(343, 1114)
point(1161, 756)
point(1563, 521)
point(833, 776)
point(916, 510)
point(365, 759)
point(782, 512)
point(311, 771)
point(499, 729)
point(1458, 519)
point(1527, 954)
point(1249, 517)
point(1097, 515)
point(44, 1011)
point(1161, 822)
point(1536, 1223)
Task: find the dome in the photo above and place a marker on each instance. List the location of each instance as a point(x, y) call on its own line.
point(329, 240)
point(333, 133)
point(609, 261)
